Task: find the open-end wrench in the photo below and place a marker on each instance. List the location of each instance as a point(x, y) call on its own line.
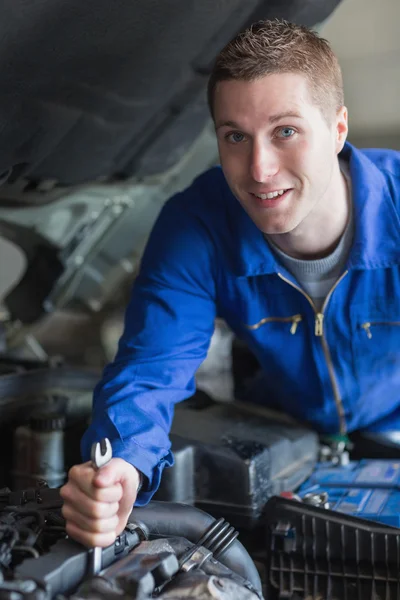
point(101, 454)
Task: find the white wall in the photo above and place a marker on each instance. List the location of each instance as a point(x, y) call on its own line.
point(365, 35)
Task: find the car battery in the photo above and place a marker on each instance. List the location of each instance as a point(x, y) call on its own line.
point(313, 553)
point(368, 489)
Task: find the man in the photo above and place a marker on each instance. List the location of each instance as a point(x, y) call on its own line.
point(294, 242)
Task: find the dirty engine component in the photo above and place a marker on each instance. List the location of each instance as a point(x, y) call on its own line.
point(166, 551)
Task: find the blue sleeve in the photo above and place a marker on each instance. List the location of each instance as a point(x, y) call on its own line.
point(168, 326)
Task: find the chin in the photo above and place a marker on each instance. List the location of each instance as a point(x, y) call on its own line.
point(276, 227)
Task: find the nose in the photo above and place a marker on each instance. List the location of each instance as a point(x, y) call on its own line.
point(264, 161)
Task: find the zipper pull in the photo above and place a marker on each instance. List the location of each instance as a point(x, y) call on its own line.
point(295, 321)
point(367, 329)
point(319, 326)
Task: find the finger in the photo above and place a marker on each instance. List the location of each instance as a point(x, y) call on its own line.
point(90, 539)
point(88, 524)
point(81, 476)
point(114, 471)
point(82, 471)
point(90, 508)
point(71, 492)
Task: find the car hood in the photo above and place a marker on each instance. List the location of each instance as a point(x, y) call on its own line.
point(103, 115)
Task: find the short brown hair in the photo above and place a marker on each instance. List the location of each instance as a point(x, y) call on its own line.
point(277, 46)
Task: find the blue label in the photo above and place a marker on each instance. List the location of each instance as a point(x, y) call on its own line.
point(366, 473)
point(368, 489)
point(378, 473)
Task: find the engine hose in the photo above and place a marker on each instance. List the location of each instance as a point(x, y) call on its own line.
point(171, 519)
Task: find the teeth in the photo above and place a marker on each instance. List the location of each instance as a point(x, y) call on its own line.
point(270, 195)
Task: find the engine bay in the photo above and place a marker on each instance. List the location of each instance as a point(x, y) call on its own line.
point(249, 510)
point(146, 561)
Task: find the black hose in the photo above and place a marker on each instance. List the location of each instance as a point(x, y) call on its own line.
point(212, 540)
point(170, 519)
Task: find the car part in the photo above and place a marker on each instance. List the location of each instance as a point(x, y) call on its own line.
point(44, 409)
point(229, 459)
point(369, 489)
point(38, 561)
point(38, 451)
point(169, 518)
point(314, 553)
point(34, 385)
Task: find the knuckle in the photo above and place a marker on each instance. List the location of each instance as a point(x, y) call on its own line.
point(97, 511)
point(66, 511)
point(97, 496)
point(76, 533)
point(69, 514)
point(74, 472)
point(105, 526)
point(67, 490)
point(70, 530)
point(102, 527)
point(96, 526)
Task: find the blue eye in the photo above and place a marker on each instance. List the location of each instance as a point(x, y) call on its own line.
point(235, 137)
point(287, 132)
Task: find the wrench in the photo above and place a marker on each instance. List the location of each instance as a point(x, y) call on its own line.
point(101, 454)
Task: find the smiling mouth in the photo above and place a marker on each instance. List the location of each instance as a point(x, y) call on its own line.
point(271, 198)
point(270, 195)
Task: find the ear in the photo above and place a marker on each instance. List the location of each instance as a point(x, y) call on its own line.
point(341, 128)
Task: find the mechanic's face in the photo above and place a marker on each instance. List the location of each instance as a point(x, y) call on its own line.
point(277, 151)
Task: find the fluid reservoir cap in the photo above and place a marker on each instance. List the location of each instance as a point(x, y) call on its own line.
point(46, 422)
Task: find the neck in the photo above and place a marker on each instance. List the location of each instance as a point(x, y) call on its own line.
point(320, 232)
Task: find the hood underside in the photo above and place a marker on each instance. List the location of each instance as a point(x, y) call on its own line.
point(103, 89)
point(95, 95)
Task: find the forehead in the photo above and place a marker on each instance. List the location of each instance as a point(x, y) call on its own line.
point(263, 97)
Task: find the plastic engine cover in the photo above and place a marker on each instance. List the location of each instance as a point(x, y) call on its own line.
point(229, 462)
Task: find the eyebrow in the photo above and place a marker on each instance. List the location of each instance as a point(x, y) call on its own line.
point(272, 119)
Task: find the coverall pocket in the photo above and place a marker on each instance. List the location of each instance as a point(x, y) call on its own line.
point(376, 350)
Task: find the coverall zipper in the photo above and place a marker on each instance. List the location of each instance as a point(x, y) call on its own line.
point(367, 326)
point(294, 319)
point(319, 332)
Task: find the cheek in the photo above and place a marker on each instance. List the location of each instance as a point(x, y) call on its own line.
point(233, 163)
point(301, 154)
point(305, 160)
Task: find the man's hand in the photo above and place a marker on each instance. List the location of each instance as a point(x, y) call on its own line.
point(97, 504)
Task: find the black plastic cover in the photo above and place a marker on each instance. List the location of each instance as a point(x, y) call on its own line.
point(229, 462)
point(314, 553)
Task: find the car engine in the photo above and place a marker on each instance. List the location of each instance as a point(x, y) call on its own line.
point(148, 560)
